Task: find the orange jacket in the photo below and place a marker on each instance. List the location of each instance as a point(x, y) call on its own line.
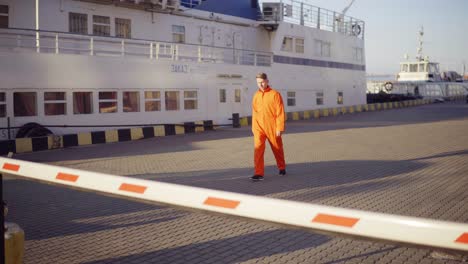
point(267, 112)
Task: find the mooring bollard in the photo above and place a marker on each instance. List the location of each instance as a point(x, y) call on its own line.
point(235, 120)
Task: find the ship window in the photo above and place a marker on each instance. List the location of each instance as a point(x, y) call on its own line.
point(3, 16)
point(178, 34)
point(2, 105)
point(123, 28)
point(25, 104)
point(413, 68)
point(357, 56)
point(319, 98)
point(107, 102)
point(222, 95)
point(299, 45)
point(422, 67)
point(291, 98)
point(101, 25)
point(287, 44)
point(404, 67)
point(190, 100)
point(172, 100)
point(322, 48)
point(339, 99)
point(55, 103)
point(78, 23)
point(237, 95)
point(152, 101)
point(82, 103)
point(131, 101)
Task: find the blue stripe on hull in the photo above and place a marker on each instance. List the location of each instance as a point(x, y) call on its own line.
point(318, 63)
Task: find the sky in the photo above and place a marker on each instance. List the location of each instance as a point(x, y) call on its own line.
point(392, 30)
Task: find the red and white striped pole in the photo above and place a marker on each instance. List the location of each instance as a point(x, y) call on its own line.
point(368, 225)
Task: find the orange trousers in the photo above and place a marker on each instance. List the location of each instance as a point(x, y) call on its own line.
point(276, 144)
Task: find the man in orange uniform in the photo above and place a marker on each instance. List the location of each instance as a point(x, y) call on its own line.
point(267, 123)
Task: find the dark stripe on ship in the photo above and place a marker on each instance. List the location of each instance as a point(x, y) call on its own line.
point(7, 146)
point(189, 127)
point(207, 125)
point(124, 134)
point(318, 63)
point(40, 143)
point(98, 137)
point(70, 140)
point(148, 132)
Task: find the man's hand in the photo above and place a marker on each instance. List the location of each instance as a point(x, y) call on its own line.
point(278, 133)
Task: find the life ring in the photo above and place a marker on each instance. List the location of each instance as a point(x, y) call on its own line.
point(388, 86)
point(356, 29)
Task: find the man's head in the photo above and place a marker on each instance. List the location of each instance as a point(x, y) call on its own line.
point(262, 81)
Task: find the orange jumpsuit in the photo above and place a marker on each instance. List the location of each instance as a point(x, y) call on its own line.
point(267, 118)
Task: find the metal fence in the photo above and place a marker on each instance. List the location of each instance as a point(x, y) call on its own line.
point(303, 13)
point(67, 43)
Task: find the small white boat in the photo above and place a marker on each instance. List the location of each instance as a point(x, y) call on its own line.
point(421, 78)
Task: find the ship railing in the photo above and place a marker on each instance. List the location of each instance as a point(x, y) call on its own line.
point(23, 40)
point(300, 12)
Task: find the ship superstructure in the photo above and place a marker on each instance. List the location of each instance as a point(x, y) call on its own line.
point(121, 62)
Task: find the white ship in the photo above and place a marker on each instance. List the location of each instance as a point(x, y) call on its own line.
point(421, 78)
point(128, 62)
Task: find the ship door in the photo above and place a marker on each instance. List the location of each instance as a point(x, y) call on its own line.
point(230, 100)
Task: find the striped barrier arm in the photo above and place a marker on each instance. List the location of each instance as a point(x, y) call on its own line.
point(374, 226)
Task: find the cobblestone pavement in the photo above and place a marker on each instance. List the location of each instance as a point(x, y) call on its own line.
point(411, 161)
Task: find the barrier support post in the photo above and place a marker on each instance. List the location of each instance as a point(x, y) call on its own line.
point(2, 223)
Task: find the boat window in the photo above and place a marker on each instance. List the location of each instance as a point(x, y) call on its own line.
point(123, 28)
point(190, 100)
point(55, 103)
point(422, 67)
point(299, 45)
point(101, 25)
point(339, 99)
point(433, 68)
point(287, 44)
point(3, 16)
point(131, 101)
point(322, 48)
point(172, 100)
point(152, 101)
point(291, 98)
point(107, 102)
point(319, 98)
point(237, 95)
point(404, 67)
point(2, 104)
point(78, 23)
point(178, 34)
point(82, 103)
point(25, 103)
point(357, 56)
point(222, 95)
point(413, 68)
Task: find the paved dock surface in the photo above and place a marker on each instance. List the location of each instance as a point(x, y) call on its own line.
point(410, 161)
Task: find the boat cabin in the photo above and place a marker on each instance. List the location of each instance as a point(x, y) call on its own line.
point(424, 71)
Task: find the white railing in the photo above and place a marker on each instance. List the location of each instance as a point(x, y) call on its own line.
point(66, 43)
point(302, 13)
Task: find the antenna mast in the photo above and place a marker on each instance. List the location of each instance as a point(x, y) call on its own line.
point(420, 56)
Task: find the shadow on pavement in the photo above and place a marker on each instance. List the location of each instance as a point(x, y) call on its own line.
point(346, 177)
point(250, 246)
point(47, 211)
point(393, 117)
